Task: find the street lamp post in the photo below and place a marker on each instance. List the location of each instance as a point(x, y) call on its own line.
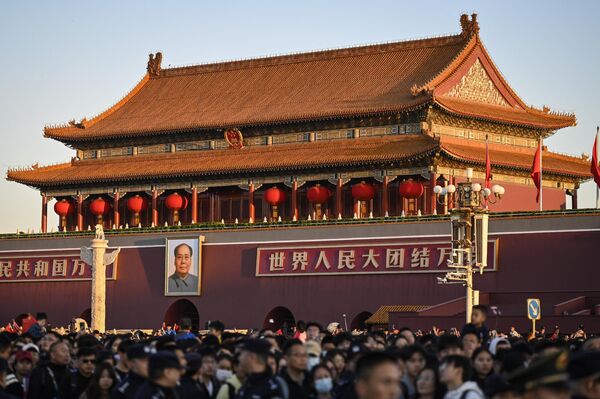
point(469, 223)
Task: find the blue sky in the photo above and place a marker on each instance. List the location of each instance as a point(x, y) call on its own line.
point(69, 59)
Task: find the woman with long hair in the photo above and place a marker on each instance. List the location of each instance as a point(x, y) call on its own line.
point(102, 382)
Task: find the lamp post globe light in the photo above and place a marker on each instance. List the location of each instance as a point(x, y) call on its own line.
point(469, 224)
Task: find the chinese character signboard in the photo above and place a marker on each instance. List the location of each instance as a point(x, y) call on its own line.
point(32, 267)
point(421, 257)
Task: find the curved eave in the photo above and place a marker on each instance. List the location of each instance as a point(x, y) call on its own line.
point(506, 165)
point(550, 125)
point(71, 134)
point(25, 176)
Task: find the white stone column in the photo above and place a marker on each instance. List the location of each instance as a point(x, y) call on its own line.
point(98, 285)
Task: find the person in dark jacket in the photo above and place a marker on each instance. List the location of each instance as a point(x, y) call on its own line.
point(77, 381)
point(295, 375)
point(3, 373)
point(137, 356)
point(260, 382)
point(190, 385)
point(164, 374)
point(47, 377)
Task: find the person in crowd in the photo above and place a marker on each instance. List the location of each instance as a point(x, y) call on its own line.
point(101, 384)
point(313, 349)
point(191, 384)
point(185, 330)
point(483, 366)
point(260, 381)
point(38, 329)
point(415, 359)
point(76, 381)
point(477, 324)
point(313, 331)
point(46, 377)
point(295, 374)
point(224, 368)
point(18, 381)
point(232, 385)
point(122, 367)
point(322, 379)
point(216, 328)
point(546, 377)
point(164, 373)
point(456, 374)
point(208, 370)
point(5, 346)
point(584, 372)
point(3, 373)
point(449, 345)
point(338, 359)
point(470, 342)
point(137, 357)
point(428, 384)
point(377, 376)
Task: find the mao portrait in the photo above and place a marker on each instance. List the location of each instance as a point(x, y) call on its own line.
point(183, 266)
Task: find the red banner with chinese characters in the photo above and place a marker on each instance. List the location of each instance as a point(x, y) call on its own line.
point(32, 267)
point(421, 257)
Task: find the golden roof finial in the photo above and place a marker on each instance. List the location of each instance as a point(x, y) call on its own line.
point(469, 26)
point(154, 61)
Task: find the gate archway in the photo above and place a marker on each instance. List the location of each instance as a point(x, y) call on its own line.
point(182, 308)
point(278, 318)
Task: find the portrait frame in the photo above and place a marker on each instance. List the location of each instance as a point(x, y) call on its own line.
point(195, 270)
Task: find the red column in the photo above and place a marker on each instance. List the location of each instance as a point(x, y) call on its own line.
point(574, 199)
point(432, 199)
point(384, 196)
point(251, 201)
point(116, 213)
point(356, 210)
point(44, 213)
point(154, 207)
point(450, 197)
point(295, 200)
point(338, 198)
point(80, 212)
point(211, 207)
point(194, 205)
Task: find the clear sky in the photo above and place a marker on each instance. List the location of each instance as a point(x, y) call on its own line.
point(69, 59)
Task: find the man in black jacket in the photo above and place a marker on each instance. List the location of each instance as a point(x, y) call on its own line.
point(137, 356)
point(3, 372)
point(260, 382)
point(47, 377)
point(164, 375)
point(295, 375)
point(77, 381)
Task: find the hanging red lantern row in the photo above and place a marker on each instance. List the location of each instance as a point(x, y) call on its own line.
point(274, 196)
point(62, 209)
point(136, 204)
point(410, 189)
point(363, 191)
point(318, 194)
point(99, 207)
point(175, 203)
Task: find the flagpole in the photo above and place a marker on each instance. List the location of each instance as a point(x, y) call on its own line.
point(541, 189)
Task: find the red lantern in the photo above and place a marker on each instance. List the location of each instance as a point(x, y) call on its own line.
point(363, 191)
point(175, 202)
point(137, 204)
point(63, 207)
point(318, 194)
point(410, 189)
point(99, 206)
point(275, 196)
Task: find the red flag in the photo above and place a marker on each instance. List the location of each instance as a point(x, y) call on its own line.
point(595, 169)
point(488, 165)
point(536, 170)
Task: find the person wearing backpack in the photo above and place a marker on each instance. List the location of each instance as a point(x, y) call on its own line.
point(232, 385)
point(456, 373)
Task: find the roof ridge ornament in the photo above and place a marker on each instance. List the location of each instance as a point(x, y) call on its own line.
point(154, 62)
point(469, 26)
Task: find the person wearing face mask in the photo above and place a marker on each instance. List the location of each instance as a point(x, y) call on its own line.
point(295, 374)
point(322, 382)
point(224, 368)
point(314, 352)
point(232, 385)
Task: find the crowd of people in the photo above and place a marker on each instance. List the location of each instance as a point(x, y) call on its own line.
point(301, 361)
